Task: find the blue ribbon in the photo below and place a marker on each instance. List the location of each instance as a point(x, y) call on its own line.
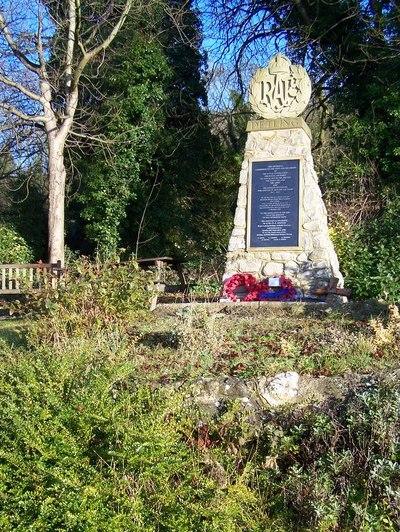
point(274, 295)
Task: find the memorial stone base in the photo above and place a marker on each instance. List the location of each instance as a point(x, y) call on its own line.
point(314, 262)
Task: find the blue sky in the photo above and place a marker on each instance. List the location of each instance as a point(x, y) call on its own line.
point(221, 66)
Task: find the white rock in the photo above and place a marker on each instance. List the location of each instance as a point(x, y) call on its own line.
point(242, 196)
point(251, 266)
point(291, 267)
point(321, 241)
point(272, 268)
point(321, 254)
point(312, 226)
point(282, 388)
point(283, 255)
point(236, 243)
point(238, 231)
point(240, 217)
point(302, 257)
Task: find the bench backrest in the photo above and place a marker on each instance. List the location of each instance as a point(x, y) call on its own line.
point(18, 278)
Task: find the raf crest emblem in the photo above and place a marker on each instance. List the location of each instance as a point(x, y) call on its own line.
point(280, 90)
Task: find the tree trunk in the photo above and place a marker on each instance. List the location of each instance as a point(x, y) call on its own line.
point(57, 175)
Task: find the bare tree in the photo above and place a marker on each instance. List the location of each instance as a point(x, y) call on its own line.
point(45, 49)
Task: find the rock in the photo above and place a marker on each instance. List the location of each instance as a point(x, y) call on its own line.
point(206, 394)
point(235, 243)
point(320, 254)
point(242, 196)
point(240, 217)
point(239, 231)
point(283, 388)
point(283, 255)
point(244, 173)
point(251, 266)
point(273, 268)
point(291, 267)
point(302, 257)
point(312, 226)
point(321, 241)
point(211, 394)
point(310, 196)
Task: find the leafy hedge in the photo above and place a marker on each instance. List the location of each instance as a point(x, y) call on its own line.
point(13, 247)
point(82, 448)
point(369, 255)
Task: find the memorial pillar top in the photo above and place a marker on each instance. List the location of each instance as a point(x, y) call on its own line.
point(280, 90)
point(278, 123)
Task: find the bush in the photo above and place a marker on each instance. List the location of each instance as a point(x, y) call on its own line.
point(329, 467)
point(83, 448)
point(91, 297)
point(13, 247)
point(369, 255)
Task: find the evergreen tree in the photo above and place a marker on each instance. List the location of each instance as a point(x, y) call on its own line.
point(142, 192)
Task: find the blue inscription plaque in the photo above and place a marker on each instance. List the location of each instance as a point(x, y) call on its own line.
point(274, 204)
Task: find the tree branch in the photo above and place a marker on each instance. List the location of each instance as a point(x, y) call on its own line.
point(72, 99)
point(103, 46)
point(33, 67)
point(42, 60)
point(23, 116)
point(70, 41)
point(21, 88)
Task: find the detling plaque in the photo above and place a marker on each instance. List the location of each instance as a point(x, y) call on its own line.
point(274, 204)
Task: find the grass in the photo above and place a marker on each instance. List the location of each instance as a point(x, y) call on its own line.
point(201, 341)
point(13, 331)
point(245, 343)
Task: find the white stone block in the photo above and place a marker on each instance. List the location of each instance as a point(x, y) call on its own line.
point(250, 266)
point(236, 243)
point(243, 176)
point(240, 217)
point(321, 240)
point(272, 268)
point(302, 257)
point(242, 196)
point(238, 231)
point(312, 226)
point(283, 255)
point(319, 254)
point(291, 267)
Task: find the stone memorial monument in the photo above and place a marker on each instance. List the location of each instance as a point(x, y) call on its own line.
point(280, 225)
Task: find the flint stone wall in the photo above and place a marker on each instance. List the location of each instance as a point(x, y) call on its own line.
point(316, 262)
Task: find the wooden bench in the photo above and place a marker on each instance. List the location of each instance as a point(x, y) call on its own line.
point(18, 278)
point(161, 264)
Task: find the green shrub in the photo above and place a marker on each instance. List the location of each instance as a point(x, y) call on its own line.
point(82, 448)
point(322, 468)
point(91, 297)
point(369, 255)
point(13, 247)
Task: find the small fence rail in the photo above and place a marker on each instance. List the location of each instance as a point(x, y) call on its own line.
point(20, 278)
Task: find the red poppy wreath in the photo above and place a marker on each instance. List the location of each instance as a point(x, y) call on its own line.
point(258, 291)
